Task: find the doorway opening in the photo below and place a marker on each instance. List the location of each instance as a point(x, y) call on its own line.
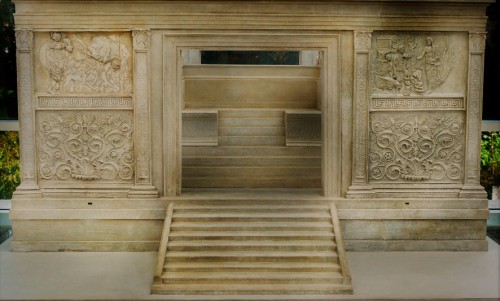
point(251, 119)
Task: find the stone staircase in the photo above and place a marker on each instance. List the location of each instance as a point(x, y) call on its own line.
point(245, 248)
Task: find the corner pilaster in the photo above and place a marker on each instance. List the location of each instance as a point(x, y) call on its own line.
point(29, 185)
point(360, 187)
point(472, 187)
point(143, 183)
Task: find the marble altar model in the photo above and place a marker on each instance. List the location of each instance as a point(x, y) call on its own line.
point(391, 111)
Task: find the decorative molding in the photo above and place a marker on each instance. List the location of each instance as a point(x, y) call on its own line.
point(361, 116)
point(395, 104)
point(477, 41)
point(85, 62)
point(417, 147)
point(143, 182)
point(26, 116)
point(24, 40)
point(411, 63)
point(92, 146)
point(54, 102)
point(141, 40)
point(474, 117)
point(362, 40)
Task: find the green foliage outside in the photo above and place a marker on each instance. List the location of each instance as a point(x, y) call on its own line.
point(9, 163)
point(490, 160)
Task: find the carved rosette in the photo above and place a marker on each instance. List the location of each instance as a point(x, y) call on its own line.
point(85, 147)
point(417, 147)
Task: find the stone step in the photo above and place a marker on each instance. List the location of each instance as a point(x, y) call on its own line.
point(251, 122)
point(291, 267)
point(250, 205)
point(252, 151)
point(250, 161)
point(251, 235)
point(268, 201)
point(311, 105)
point(250, 277)
point(258, 182)
point(248, 217)
point(251, 289)
point(250, 256)
point(249, 113)
point(251, 171)
point(252, 141)
point(235, 213)
point(250, 245)
point(254, 226)
point(252, 209)
point(251, 131)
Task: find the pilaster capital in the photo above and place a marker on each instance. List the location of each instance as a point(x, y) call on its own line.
point(477, 41)
point(362, 40)
point(141, 39)
point(24, 40)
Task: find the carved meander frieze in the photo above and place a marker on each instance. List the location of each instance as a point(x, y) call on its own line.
point(405, 64)
point(415, 104)
point(88, 146)
point(61, 102)
point(84, 62)
point(416, 147)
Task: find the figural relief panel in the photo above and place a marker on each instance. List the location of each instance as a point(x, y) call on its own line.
point(416, 147)
point(93, 146)
point(416, 64)
point(83, 63)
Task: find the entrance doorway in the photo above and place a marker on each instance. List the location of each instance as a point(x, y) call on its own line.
point(251, 119)
point(181, 103)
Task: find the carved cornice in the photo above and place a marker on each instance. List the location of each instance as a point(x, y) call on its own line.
point(477, 41)
point(24, 40)
point(362, 40)
point(141, 39)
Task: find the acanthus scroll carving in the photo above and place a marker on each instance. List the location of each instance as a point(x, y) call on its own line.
point(87, 62)
point(86, 146)
point(416, 147)
point(411, 64)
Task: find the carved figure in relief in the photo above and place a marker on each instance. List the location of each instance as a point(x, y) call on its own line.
point(428, 147)
point(57, 53)
point(86, 63)
point(398, 70)
point(85, 147)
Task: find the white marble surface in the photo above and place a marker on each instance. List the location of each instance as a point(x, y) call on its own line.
point(121, 275)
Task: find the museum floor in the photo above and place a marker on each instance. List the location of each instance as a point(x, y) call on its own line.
point(376, 275)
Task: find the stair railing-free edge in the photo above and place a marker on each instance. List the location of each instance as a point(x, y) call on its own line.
point(163, 243)
point(346, 273)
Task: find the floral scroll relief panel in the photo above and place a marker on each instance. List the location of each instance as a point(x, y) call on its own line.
point(411, 64)
point(83, 63)
point(88, 146)
point(416, 147)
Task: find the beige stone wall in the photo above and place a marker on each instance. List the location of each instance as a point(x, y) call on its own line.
point(100, 86)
